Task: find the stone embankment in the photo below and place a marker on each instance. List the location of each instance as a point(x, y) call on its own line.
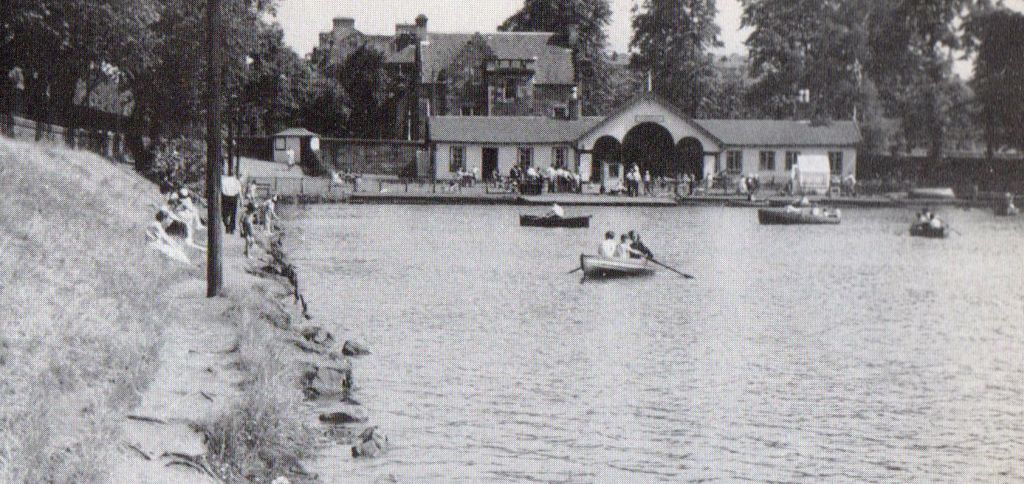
point(212, 374)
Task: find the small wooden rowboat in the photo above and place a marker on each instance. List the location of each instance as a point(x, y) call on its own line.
point(1007, 210)
point(747, 203)
point(932, 193)
point(804, 216)
point(566, 222)
point(602, 267)
point(926, 230)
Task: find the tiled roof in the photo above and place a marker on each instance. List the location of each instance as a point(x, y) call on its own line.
point(772, 132)
point(508, 129)
point(553, 65)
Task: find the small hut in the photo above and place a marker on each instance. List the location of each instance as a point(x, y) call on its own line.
point(298, 146)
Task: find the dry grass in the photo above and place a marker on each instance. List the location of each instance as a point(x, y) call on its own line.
point(80, 308)
point(263, 436)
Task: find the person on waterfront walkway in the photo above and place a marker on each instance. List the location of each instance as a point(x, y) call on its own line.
point(230, 189)
point(608, 246)
point(15, 97)
point(647, 182)
point(248, 231)
point(625, 250)
point(269, 210)
point(161, 241)
point(188, 212)
point(641, 250)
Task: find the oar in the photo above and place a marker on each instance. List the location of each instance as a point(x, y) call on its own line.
point(670, 268)
point(575, 270)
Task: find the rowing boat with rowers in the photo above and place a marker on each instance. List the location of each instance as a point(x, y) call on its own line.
point(554, 221)
point(797, 216)
point(604, 267)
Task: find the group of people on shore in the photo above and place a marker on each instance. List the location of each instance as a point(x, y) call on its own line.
point(173, 233)
point(531, 180)
point(634, 179)
point(178, 222)
point(629, 246)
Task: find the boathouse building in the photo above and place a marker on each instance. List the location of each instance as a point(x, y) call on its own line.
point(648, 131)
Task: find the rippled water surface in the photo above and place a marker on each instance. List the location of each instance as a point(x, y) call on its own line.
point(850, 352)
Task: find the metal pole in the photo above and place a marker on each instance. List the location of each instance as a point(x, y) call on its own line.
point(214, 267)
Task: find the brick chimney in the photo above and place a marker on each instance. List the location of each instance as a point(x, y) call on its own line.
point(343, 26)
point(421, 25)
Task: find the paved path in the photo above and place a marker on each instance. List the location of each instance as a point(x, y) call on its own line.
point(195, 381)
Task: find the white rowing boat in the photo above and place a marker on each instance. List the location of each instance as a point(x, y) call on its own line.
point(595, 266)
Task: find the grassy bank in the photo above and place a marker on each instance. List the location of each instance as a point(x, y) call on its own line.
point(80, 308)
point(263, 435)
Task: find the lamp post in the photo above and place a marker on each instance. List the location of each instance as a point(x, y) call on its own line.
point(214, 267)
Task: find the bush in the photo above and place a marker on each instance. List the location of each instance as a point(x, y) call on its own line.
point(178, 163)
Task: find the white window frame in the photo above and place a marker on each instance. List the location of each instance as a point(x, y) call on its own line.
point(791, 159)
point(456, 158)
point(835, 162)
point(525, 154)
point(734, 157)
point(509, 94)
point(766, 161)
point(280, 144)
point(559, 157)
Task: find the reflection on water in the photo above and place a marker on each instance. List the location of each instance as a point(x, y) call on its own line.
point(849, 352)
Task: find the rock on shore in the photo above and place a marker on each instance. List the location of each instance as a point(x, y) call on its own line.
point(370, 443)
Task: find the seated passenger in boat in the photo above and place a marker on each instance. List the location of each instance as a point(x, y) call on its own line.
point(555, 212)
point(607, 247)
point(625, 250)
point(934, 221)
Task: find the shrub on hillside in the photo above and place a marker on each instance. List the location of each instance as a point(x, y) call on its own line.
point(178, 163)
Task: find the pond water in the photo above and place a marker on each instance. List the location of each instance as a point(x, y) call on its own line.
point(800, 353)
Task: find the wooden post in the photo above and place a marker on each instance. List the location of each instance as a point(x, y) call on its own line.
point(214, 268)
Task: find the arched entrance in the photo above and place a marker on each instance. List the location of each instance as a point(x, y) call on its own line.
point(606, 149)
point(650, 146)
point(691, 157)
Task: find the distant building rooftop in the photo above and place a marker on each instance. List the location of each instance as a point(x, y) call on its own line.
point(295, 132)
point(553, 63)
point(509, 129)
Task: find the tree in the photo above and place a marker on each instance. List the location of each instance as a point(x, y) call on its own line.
point(62, 44)
point(913, 42)
point(364, 81)
point(812, 45)
point(578, 25)
point(996, 36)
point(271, 82)
point(671, 42)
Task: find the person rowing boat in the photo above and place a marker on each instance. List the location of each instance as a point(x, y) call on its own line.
point(641, 250)
point(555, 212)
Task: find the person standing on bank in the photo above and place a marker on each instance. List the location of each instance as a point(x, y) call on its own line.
point(231, 190)
point(16, 81)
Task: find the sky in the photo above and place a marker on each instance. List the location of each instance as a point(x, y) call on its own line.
point(303, 20)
